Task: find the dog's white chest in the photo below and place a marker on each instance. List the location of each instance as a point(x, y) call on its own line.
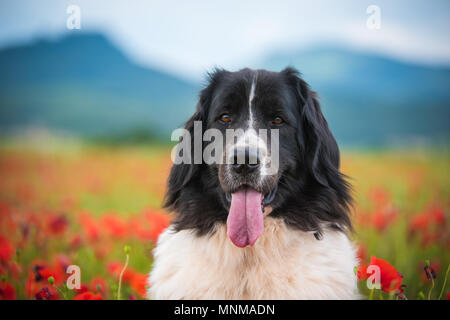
point(283, 264)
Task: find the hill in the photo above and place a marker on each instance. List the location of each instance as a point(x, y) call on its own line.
point(83, 84)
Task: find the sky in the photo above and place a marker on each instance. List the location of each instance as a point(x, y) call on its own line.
point(190, 37)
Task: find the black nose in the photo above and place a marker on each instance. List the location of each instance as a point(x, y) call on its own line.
point(245, 161)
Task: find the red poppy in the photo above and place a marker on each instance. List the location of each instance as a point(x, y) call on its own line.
point(87, 296)
point(57, 225)
point(36, 282)
point(383, 217)
point(139, 283)
point(136, 280)
point(115, 268)
point(390, 278)
point(90, 226)
point(14, 270)
point(31, 286)
point(83, 289)
point(434, 216)
point(419, 222)
point(42, 273)
point(362, 253)
point(98, 284)
point(5, 209)
point(437, 212)
point(43, 294)
point(6, 249)
point(428, 224)
point(115, 226)
point(150, 225)
point(159, 222)
point(75, 242)
point(62, 261)
point(7, 291)
point(46, 294)
point(380, 197)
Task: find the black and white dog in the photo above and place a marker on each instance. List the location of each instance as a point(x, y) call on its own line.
point(239, 233)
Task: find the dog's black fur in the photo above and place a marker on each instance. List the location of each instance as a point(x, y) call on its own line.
point(311, 190)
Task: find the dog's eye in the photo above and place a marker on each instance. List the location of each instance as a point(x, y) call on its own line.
point(225, 118)
point(278, 121)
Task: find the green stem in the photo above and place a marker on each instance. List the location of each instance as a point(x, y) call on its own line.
point(371, 293)
point(120, 277)
point(445, 282)
point(431, 289)
point(60, 291)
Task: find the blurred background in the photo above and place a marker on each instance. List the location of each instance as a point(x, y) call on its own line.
point(90, 92)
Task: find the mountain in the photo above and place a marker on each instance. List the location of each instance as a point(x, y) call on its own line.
point(374, 100)
point(84, 84)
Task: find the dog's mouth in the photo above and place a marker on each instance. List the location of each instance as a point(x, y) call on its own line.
point(267, 199)
point(245, 222)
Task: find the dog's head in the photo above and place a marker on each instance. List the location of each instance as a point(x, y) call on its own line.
point(275, 153)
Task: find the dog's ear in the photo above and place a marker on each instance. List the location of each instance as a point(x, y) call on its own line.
point(182, 174)
point(321, 157)
point(320, 149)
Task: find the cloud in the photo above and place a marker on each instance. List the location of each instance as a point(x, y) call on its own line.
point(191, 36)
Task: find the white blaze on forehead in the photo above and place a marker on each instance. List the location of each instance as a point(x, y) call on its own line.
point(251, 96)
point(249, 138)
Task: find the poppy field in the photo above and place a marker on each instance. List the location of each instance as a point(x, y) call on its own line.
point(99, 208)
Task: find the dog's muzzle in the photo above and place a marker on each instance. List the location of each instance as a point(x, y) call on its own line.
point(247, 196)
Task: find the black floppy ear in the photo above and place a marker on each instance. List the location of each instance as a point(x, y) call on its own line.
point(320, 148)
point(182, 174)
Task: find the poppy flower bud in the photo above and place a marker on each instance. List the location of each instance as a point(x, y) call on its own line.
point(127, 249)
point(51, 280)
point(427, 272)
point(421, 296)
point(433, 274)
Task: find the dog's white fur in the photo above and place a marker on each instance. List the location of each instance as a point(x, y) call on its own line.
point(284, 263)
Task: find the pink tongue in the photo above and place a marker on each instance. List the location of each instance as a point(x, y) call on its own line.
point(245, 220)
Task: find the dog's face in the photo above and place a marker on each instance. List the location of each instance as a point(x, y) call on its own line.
point(277, 151)
point(246, 107)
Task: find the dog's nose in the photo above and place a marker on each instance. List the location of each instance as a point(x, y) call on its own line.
point(245, 161)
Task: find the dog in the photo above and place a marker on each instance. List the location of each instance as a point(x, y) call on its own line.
point(239, 233)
